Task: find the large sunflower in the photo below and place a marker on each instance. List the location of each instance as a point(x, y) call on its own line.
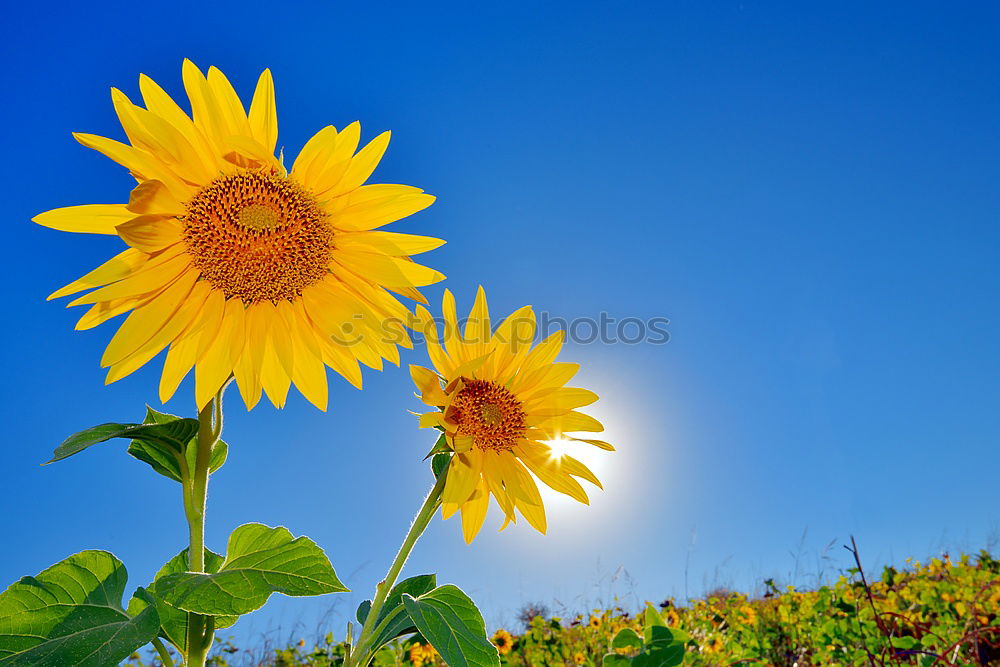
point(499, 403)
point(238, 266)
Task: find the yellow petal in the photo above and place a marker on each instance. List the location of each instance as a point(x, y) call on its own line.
point(154, 197)
point(155, 274)
point(86, 219)
point(150, 233)
point(216, 365)
point(158, 102)
point(263, 113)
point(316, 149)
point(143, 166)
point(361, 167)
point(113, 270)
point(474, 513)
point(364, 213)
point(389, 243)
point(428, 384)
point(228, 102)
point(428, 327)
point(477, 327)
point(180, 359)
point(146, 321)
point(560, 401)
point(463, 477)
point(570, 422)
point(539, 461)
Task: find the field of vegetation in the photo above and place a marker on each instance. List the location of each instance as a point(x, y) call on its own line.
point(943, 612)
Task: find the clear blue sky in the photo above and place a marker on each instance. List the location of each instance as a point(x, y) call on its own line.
point(807, 190)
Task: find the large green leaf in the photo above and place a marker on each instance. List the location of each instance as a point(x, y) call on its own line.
point(71, 614)
point(450, 621)
point(173, 621)
point(259, 561)
point(615, 660)
point(393, 620)
point(660, 656)
point(627, 638)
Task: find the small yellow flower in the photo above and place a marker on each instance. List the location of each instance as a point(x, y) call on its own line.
point(713, 645)
point(595, 622)
point(500, 403)
point(672, 618)
point(503, 640)
point(417, 654)
point(747, 614)
point(579, 658)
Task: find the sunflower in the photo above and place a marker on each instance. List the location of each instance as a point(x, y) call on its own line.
point(748, 615)
point(672, 618)
point(503, 640)
point(499, 402)
point(595, 622)
point(579, 658)
point(236, 265)
point(713, 645)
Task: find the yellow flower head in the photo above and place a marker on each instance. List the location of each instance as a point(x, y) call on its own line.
point(579, 658)
point(499, 403)
point(236, 265)
point(672, 618)
point(748, 615)
point(503, 641)
point(713, 645)
point(417, 654)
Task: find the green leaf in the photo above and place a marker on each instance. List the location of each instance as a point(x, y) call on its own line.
point(173, 621)
point(159, 441)
point(440, 447)
point(440, 463)
point(651, 618)
point(393, 620)
point(164, 458)
point(615, 660)
point(71, 614)
point(666, 656)
point(659, 635)
point(626, 638)
point(259, 561)
point(453, 625)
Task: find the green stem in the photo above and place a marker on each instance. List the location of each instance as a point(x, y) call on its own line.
point(200, 628)
point(420, 522)
point(164, 653)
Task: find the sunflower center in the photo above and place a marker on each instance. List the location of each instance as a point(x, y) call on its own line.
point(257, 236)
point(490, 413)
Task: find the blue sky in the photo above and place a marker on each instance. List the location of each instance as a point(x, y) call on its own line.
point(807, 191)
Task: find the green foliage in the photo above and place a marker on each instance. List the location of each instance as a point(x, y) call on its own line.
point(163, 441)
point(259, 561)
point(393, 621)
point(173, 621)
point(453, 625)
point(71, 614)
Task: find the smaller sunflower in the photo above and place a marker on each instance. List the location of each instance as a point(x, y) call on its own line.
point(595, 622)
point(500, 403)
point(579, 658)
point(713, 645)
point(672, 618)
point(748, 615)
point(503, 640)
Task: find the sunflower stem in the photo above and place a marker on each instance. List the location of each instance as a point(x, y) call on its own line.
point(360, 654)
point(200, 628)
